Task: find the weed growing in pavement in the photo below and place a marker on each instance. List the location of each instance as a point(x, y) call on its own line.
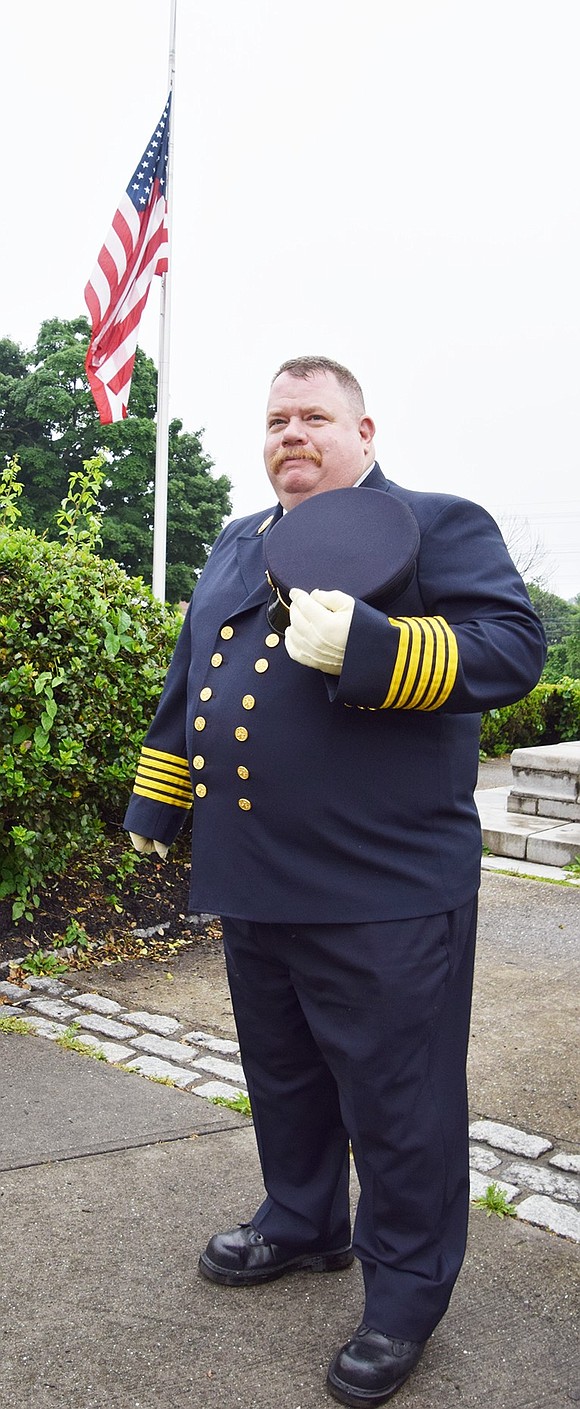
point(240, 1103)
point(72, 1043)
point(574, 867)
point(14, 1025)
point(495, 1201)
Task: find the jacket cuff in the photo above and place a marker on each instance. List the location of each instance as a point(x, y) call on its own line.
point(369, 659)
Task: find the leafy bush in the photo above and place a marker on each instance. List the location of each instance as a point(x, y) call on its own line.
point(564, 658)
point(550, 714)
point(83, 654)
point(561, 710)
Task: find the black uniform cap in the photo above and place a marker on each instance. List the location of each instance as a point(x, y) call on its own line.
point(361, 541)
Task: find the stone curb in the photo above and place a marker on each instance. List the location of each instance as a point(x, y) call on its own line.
point(533, 1184)
point(542, 1184)
point(152, 1044)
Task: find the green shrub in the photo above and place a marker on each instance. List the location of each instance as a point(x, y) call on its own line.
point(561, 710)
point(83, 654)
point(550, 714)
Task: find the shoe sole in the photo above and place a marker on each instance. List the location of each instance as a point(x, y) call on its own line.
point(314, 1262)
point(346, 1395)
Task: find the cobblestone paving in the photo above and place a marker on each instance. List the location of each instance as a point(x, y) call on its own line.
point(539, 1179)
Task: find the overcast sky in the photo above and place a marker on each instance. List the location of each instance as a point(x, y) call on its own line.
point(393, 183)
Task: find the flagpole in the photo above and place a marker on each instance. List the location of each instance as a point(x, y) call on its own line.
point(162, 437)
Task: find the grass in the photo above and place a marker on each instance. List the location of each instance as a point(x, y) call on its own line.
point(573, 868)
point(14, 1025)
point(495, 1201)
point(72, 1043)
point(239, 1103)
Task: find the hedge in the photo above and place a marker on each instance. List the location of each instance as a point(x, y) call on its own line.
point(83, 654)
point(550, 714)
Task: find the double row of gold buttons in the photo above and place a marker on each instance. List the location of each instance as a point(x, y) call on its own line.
point(248, 702)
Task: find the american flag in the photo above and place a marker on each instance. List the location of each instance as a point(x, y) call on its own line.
point(135, 249)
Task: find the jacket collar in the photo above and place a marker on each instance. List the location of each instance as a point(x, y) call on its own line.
point(376, 479)
point(250, 554)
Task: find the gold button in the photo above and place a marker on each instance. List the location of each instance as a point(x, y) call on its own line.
point(206, 693)
point(200, 790)
point(216, 658)
point(199, 723)
point(243, 772)
point(248, 701)
point(245, 804)
point(241, 733)
point(226, 633)
point(261, 665)
point(272, 639)
point(198, 761)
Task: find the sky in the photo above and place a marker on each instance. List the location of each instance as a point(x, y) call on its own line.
point(393, 183)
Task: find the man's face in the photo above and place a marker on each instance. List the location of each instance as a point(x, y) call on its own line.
point(315, 438)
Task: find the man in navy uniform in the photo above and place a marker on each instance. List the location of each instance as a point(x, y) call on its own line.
point(332, 772)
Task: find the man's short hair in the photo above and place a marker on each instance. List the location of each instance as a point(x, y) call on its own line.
point(307, 366)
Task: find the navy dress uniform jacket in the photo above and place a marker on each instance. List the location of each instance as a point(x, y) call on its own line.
point(320, 799)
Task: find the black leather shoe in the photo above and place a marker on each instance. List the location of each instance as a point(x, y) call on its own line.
point(242, 1258)
point(371, 1367)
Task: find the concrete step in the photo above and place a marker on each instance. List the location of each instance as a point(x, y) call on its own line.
point(546, 781)
point(525, 838)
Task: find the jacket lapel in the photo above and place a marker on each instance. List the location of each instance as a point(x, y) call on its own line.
point(252, 563)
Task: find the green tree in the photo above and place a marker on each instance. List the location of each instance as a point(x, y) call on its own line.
point(48, 419)
point(564, 657)
point(556, 615)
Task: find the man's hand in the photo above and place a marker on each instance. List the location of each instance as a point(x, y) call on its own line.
point(146, 845)
point(319, 627)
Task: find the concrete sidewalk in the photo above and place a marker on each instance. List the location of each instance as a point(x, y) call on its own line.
point(113, 1185)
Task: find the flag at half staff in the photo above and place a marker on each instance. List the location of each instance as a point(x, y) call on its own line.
point(135, 249)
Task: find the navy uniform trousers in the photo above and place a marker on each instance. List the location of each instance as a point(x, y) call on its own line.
point(360, 1032)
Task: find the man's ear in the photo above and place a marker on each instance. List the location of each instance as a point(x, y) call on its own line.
point(367, 430)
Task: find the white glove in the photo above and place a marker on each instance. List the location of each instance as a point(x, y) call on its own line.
point(319, 627)
point(145, 845)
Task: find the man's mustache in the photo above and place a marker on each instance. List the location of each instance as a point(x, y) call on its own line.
point(295, 454)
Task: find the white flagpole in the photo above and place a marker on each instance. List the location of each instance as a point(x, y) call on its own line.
point(162, 437)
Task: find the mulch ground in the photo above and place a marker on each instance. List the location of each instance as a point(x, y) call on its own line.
point(109, 911)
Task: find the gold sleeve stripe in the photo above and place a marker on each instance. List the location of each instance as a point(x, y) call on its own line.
point(450, 675)
point(426, 664)
point(425, 675)
point(163, 771)
point(159, 797)
point(159, 785)
point(413, 664)
point(400, 663)
point(440, 665)
point(164, 775)
point(177, 761)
